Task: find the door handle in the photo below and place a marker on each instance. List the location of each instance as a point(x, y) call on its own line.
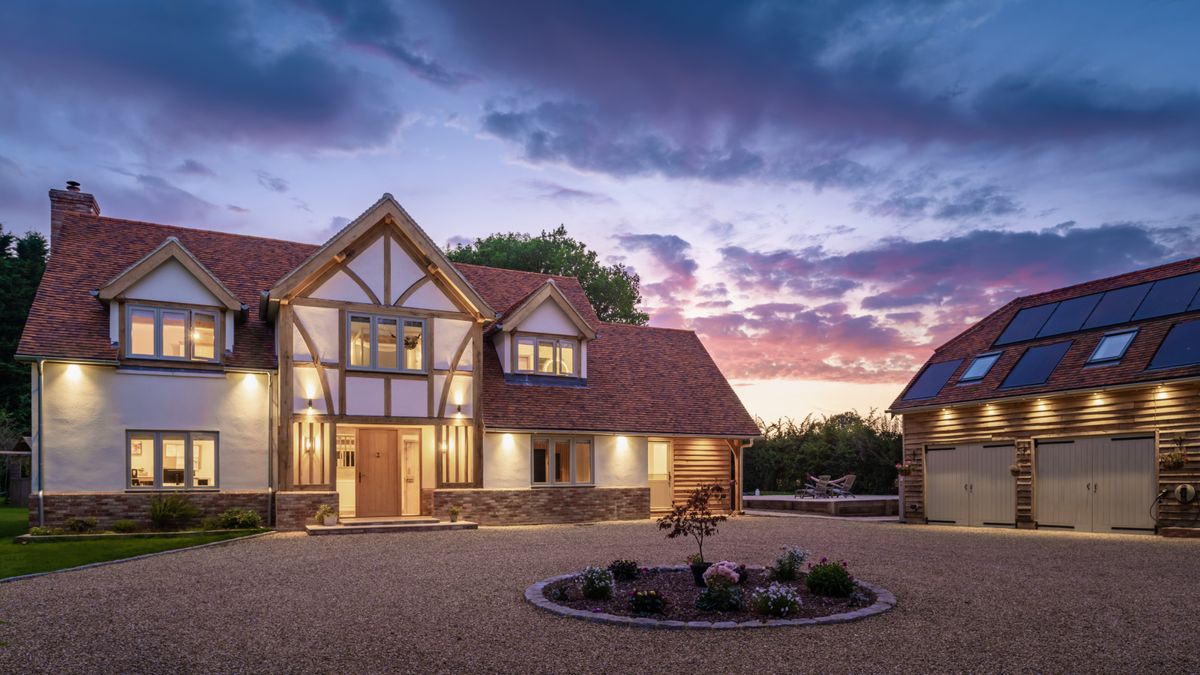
point(1095, 486)
point(966, 487)
point(360, 476)
point(1089, 487)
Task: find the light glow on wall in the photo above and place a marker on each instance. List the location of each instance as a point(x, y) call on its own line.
point(507, 443)
point(1162, 393)
point(622, 444)
point(250, 382)
point(74, 372)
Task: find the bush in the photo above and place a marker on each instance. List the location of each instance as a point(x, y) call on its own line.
point(239, 519)
point(624, 570)
point(171, 512)
point(829, 579)
point(44, 531)
point(81, 524)
point(323, 511)
point(212, 523)
point(721, 574)
point(596, 583)
point(787, 566)
point(648, 602)
point(124, 525)
point(720, 598)
point(775, 600)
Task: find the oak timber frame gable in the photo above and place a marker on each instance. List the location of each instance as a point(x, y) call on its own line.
point(389, 236)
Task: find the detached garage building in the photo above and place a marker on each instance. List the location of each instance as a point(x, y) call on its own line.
point(1074, 409)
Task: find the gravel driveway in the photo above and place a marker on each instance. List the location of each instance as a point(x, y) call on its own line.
point(969, 599)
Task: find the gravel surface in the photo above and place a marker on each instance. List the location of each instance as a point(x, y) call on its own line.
point(969, 599)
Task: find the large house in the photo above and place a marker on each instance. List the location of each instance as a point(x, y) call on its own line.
point(369, 373)
point(1074, 409)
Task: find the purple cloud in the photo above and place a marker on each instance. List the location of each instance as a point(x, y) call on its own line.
point(672, 254)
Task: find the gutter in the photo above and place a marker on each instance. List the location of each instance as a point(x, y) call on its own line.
point(592, 432)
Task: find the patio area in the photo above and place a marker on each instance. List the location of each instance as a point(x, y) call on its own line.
point(847, 506)
point(969, 599)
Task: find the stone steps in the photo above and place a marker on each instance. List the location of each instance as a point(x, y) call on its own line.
point(393, 526)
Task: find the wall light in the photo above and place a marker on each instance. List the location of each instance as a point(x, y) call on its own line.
point(1162, 393)
point(250, 381)
point(74, 372)
point(507, 442)
point(622, 443)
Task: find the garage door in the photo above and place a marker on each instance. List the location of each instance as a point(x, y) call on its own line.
point(970, 485)
point(1102, 484)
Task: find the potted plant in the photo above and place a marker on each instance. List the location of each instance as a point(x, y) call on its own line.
point(695, 519)
point(455, 511)
point(1177, 458)
point(904, 469)
point(326, 515)
point(1014, 469)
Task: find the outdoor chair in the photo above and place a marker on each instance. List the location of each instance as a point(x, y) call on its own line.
point(842, 487)
point(819, 487)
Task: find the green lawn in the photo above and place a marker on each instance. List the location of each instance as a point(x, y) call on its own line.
point(17, 559)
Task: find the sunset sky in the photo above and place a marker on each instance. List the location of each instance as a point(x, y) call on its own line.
point(825, 191)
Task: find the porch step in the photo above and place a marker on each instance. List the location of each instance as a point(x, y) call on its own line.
point(386, 520)
point(379, 528)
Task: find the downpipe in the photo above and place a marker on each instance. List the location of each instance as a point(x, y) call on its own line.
point(41, 444)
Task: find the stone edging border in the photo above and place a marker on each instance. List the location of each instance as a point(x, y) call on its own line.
point(118, 561)
point(535, 595)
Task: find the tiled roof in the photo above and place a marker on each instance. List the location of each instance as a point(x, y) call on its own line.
point(1072, 373)
point(640, 379)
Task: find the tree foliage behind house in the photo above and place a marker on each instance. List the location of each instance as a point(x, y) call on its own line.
point(613, 291)
point(22, 261)
point(868, 446)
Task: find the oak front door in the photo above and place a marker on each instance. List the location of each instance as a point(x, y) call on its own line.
point(378, 492)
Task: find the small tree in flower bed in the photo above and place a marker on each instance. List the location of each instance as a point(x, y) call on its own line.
point(694, 518)
point(830, 579)
point(648, 602)
point(595, 583)
point(624, 570)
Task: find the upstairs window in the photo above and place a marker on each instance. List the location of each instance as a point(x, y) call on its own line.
point(1112, 347)
point(386, 343)
point(170, 333)
point(980, 367)
point(546, 356)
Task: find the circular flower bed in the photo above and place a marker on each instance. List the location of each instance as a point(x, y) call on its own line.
point(668, 597)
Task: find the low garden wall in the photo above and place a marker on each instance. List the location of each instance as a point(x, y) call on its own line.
point(538, 506)
point(294, 510)
point(108, 507)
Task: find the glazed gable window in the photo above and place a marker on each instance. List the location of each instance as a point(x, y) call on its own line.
point(171, 460)
point(170, 333)
point(562, 461)
point(386, 343)
point(546, 356)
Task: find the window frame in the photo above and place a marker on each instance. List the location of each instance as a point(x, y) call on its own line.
point(972, 380)
point(188, 326)
point(551, 439)
point(156, 460)
point(1131, 332)
point(557, 343)
point(400, 320)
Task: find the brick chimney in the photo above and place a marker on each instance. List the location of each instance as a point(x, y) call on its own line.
point(67, 201)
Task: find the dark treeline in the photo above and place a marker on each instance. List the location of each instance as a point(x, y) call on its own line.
point(868, 446)
point(22, 261)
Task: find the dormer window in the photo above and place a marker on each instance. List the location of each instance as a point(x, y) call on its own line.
point(546, 356)
point(171, 333)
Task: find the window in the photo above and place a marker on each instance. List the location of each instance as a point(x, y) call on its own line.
point(176, 334)
point(546, 356)
point(386, 343)
point(172, 459)
point(562, 461)
point(1112, 347)
point(980, 367)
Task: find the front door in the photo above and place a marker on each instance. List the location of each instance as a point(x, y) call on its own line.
point(378, 489)
point(660, 475)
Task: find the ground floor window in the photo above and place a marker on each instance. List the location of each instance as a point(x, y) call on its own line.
point(172, 459)
point(562, 461)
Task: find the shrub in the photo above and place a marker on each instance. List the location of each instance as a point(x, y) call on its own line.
point(170, 512)
point(211, 523)
point(787, 566)
point(323, 511)
point(81, 524)
point(829, 579)
point(44, 531)
point(720, 598)
point(694, 518)
point(240, 519)
point(722, 574)
point(124, 525)
point(624, 570)
point(561, 594)
point(775, 600)
point(648, 602)
point(596, 583)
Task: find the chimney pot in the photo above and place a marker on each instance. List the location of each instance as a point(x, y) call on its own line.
point(73, 185)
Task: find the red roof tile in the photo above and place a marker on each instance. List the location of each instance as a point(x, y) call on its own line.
point(504, 289)
point(1072, 373)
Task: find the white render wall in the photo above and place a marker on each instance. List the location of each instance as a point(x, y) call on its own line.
point(621, 461)
point(88, 408)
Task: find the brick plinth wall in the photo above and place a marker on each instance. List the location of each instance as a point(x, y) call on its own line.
point(107, 507)
point(544, 505)
point(427, 501)
point(294, 510)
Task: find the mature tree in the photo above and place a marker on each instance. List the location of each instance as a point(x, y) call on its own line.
point(613, 291)
point(22, 261)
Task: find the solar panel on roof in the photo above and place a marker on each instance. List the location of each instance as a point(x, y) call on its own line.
point(1069, 315)
point(1026, 324)
point(1181, 347)
point(1117, 306)
point(1036, 364)
point(931, 381)
point(1169, 296)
